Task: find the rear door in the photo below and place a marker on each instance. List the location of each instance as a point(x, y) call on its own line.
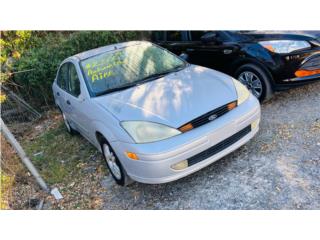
point(60, 89)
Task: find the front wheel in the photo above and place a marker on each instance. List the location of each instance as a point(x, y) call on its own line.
point(117, 171)
point(256, 80)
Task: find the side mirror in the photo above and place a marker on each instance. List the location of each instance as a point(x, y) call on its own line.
point(184, 56)
point(81, 98)
point(210, 37)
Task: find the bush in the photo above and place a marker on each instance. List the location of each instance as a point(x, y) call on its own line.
point(44, 60)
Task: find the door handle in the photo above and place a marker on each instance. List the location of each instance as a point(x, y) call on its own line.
point(227, 51)
point(68, 102)
point(58, 94)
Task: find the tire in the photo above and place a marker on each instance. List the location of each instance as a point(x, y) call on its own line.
point(70, 130)
point(256, 80)
point(115, 167)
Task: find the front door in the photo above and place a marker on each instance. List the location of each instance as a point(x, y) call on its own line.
point(217, 55)
point(75, 102)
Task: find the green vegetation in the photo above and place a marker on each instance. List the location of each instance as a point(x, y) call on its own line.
point(58, 155)
point(68, 162)
point(30, 59)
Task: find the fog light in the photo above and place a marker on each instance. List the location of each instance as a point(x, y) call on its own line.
point(255, 124)
point(180, 165)
point(132, 155)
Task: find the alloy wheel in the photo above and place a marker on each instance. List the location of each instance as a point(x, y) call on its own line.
point(111, 161)
point(252, 82)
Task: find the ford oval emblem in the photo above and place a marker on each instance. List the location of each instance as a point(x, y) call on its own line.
point(212, 117)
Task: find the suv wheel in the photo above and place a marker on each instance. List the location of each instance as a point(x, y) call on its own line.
point(117, 171)
point(256, 80)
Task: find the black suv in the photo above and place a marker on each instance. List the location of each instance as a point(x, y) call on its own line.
point(264, 62)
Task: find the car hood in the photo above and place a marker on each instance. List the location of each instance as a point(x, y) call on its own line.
point(174, 99)
point(282, 35)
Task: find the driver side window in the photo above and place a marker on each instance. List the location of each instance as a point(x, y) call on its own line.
point(73, 81)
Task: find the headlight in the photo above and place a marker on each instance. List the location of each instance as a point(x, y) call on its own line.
point(145, 132)
point(242, 91)
point(284, 46)
point(316, 42)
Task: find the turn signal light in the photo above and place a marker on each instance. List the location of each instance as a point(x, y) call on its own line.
point(269, 47)
point(186, 127)
point(305, 73)
point(132, 155)
point(232, 105)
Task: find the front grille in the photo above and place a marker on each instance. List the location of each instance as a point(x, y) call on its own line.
point(219, 146)
point(205, 118)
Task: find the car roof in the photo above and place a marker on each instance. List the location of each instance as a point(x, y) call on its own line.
point(108, 48)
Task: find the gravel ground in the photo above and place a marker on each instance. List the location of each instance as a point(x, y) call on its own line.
point(278, 169)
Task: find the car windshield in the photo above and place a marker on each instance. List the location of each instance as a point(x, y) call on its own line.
point(126, 67)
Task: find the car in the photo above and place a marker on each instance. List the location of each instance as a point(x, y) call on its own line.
point(263, 61)
point(155, 117)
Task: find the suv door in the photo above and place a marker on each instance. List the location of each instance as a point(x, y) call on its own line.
point(74, 99)
point(174, 41)
point(218, 55)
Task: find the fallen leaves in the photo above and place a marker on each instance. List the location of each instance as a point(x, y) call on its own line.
point(284, 131)
point(315, 127)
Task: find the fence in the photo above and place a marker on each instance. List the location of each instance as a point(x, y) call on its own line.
point(15, 110)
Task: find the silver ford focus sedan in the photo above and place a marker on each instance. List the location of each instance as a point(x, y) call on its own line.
point(154, 117)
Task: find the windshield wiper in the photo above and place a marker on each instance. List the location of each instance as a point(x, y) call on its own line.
point(158, 75)
point(123, 87)
point(143, 80)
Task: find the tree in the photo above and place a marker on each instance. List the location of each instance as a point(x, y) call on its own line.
point(12, 45)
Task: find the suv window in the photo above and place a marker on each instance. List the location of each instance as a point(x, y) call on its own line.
point(196, 35)
point(63, 76)
point(73, 81)
point(158, 35)
point(174, 36)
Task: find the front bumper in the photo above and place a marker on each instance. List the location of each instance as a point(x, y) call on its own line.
point(156, 159)
point(312, 62)
point(297, 82)
point(306, 79)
